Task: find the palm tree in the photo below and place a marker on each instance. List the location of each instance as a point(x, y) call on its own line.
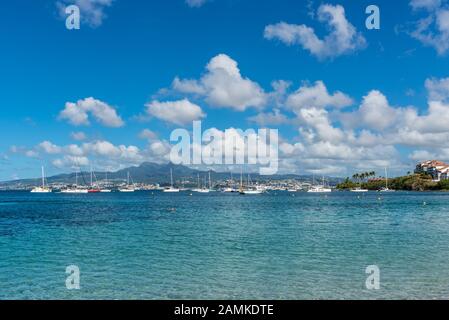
point(363, 176)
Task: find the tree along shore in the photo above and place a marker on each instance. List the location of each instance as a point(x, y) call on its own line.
point(412, 182)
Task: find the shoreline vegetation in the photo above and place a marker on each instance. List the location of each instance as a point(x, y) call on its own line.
point(410, 182)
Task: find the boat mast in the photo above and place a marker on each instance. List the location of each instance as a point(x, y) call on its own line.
point(210, 183)
point(43, 177)
point(386, 178)
point(171, 177)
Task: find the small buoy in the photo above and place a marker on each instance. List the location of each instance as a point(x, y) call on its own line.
point(379, 198)
point(191, 194)
point(424, 203)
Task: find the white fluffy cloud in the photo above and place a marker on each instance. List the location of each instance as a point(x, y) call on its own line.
point(78, 136)
point(432, 30)
point(148, 134)
point(92, 11)
point(223, 86)
point(179, 112)
point(438, 89)
point(425, 4)
point(71, 162)
point(375, 112)
point(317, 96)
point(101, 153)
point(342, 39)
point(49, 147)
point(274, 118)
point(78, 113)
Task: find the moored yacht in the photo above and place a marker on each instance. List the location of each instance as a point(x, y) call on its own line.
point(75, 189)
point(319, 188)
point(250, 190)
point(129, 187)
point(171, 189)
point(93, 188)
point(359, 190)
point(386, 189)
point(43, 188)
point(200, 189)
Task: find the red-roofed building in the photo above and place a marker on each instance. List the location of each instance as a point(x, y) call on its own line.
point(437, 169)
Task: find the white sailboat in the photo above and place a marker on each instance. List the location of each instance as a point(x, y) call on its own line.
point(360, 190)
point(200, 189)
point(230, 189)
point(106, 190)
point(171, 189)
point(386, 189)
point(93, 187)
point(43, 188)
point(129, 187)
point(75, 189)
point(249, 190)
point(319, 188)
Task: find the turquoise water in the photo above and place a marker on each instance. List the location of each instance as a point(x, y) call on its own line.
point(224, 246)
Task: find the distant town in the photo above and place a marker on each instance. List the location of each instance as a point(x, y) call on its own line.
point(428, 175)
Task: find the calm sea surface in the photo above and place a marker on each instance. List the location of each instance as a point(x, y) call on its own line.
point(224, 246)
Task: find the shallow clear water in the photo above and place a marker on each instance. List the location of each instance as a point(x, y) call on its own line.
point(224, 246)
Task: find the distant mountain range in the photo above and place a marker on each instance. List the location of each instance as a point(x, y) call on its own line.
point(152, 173)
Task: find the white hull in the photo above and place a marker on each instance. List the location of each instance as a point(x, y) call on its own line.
point(387, 190)
point(360, 190)
point(201, 190)
point(251, 192)
point(41, 190)
point(171, 190)
point(127, 190)
point(105, 191)
point(320, 190)
point(75, 191)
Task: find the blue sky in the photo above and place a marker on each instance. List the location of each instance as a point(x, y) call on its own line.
point(377, 98)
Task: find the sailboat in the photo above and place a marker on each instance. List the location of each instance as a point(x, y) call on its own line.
point(171, 189)
point(75, 189)
point(43, 188)
point(198, 188)
point(250, 190)
point(232, 188)
point(319, 188)
point(386, 189)
point(92, 188)
point(106, 190)
point(128, 188)
point(203, 189)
